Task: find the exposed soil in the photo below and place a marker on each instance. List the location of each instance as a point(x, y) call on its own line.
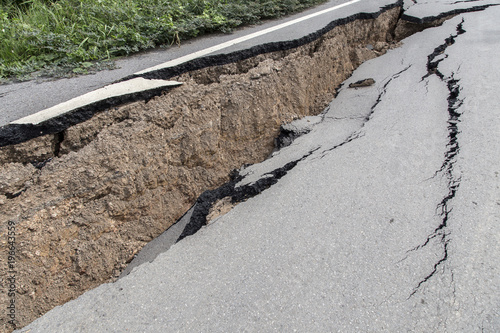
point(86, 200)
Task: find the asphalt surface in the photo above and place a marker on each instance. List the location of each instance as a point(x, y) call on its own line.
point(387, 221)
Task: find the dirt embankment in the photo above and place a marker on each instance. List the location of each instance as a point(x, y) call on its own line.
point(100, 190)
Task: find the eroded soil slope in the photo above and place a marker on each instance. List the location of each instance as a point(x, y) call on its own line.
point(84, 201)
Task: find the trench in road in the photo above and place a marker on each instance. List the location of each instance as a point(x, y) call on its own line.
point(81, 230)
point(122, 177)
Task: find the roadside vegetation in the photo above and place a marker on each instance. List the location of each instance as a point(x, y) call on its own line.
point(67, 37)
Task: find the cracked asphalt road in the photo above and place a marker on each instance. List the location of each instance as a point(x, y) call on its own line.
point(386, 220)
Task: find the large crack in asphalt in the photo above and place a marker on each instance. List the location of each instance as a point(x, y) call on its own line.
point(447, 169)
point(446, 14)
point(200, 209)
point(409, 24)
point(198, 214)
point(103, 189)
point(205, 202)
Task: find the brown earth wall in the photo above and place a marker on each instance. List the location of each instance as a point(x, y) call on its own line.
point(113, 183)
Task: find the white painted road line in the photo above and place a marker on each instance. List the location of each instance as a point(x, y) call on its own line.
point(113, 90)
point(235, 41)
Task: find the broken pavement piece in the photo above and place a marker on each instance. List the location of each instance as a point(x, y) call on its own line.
point(362, 83)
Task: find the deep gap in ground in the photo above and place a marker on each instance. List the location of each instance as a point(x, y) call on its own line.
point(97, 191)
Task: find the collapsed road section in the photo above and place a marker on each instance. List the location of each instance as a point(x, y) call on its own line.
point(326, 246)
point(86, 199)
point(89, 193)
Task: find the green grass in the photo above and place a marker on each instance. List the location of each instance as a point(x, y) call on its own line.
point(77, 36)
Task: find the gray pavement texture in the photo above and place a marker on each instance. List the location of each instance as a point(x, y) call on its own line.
point(390, 221)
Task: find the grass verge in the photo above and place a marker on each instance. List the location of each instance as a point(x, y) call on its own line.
point(65, 37)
